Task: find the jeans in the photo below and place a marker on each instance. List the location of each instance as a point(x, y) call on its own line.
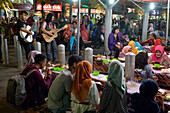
point(117, 51)
point(35, 35)
point(72, 40)
point(132, 32)
point(28, 47)
point(48, 47)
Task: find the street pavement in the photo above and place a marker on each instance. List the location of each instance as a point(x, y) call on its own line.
point(6, 71)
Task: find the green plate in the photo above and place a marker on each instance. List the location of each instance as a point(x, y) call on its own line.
point(105, 61)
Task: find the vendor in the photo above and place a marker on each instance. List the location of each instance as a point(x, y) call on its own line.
point(114, 43)
point(159, 56)
point(151, 40)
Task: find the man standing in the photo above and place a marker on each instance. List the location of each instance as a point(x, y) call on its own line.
point(48, 25)
point(28, 46)
point(33, 21)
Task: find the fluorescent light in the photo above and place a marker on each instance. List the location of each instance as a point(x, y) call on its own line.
point(111, 1)
point(75, 0)
point(152, 6)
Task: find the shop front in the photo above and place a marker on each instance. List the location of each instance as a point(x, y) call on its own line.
point(48, 8)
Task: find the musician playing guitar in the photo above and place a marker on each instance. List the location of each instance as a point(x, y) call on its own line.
point(49, 25)
point(28, 46)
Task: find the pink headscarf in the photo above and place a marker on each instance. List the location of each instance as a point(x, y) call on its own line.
point(31, 56)
point(160, 48)
point(84, 33)
point(126, 49)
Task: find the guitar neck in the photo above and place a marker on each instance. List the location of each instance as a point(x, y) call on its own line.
point(58, 31)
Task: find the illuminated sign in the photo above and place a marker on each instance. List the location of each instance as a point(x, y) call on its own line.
point(48, 7)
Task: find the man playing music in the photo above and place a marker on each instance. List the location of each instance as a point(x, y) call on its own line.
point(33, 21)
point(48, 25)
point(28, 46)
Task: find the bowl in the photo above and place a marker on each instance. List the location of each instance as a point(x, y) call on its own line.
point(105, 61)
point(56, 68)
point(114, 59)
point(96, 73)
point(107, 77)
point(157, 65)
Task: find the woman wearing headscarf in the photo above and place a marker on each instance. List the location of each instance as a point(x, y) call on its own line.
point(159, 56)
point(84, 92)
point(67, 34)
point(31, 56)
point(113, 98)
point(143, 102)
point(134, 50)
point(139, 46)
point(158, 42)
point(125, 50)
point(84, 33)
point(114, 43)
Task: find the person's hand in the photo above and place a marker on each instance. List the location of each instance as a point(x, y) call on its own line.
point(48, 64)
point(49, 72)
point(161, 97)
point(100, 94)
point(50, 34)
point(31, 33)
point(153, 62)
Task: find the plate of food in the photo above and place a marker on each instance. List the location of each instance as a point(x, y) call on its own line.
point(99, 60)
point(158, 68)
point(165, 70)
point(121, 59)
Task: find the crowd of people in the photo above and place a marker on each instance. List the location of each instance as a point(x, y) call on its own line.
point(74, 89)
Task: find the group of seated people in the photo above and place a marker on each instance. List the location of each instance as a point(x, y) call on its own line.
point(159, 53)
point(74, 88)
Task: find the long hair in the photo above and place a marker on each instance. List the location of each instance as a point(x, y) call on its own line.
point(49, 17)
point(141, 60)
point(114, 29)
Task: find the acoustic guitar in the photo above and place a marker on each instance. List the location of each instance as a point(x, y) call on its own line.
point(26, 36)
point(48, 38)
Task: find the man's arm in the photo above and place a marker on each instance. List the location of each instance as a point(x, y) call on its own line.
point(23, 29)
point(38, 22)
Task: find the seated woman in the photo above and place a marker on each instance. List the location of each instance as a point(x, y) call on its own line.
point(151, 40)
point(114, 43)
point(113, 98)
point(134, 50)
point(139, 46)
point(159, 56)
point(125, 50)
point(144, 102)
point(142, 66)
point(67, 34)
point(158, 42)
point(84, 92)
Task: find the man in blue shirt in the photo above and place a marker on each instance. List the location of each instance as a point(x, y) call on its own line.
point(33, 21)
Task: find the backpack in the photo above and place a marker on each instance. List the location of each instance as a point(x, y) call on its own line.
point(16, 92)
point(94, 33)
